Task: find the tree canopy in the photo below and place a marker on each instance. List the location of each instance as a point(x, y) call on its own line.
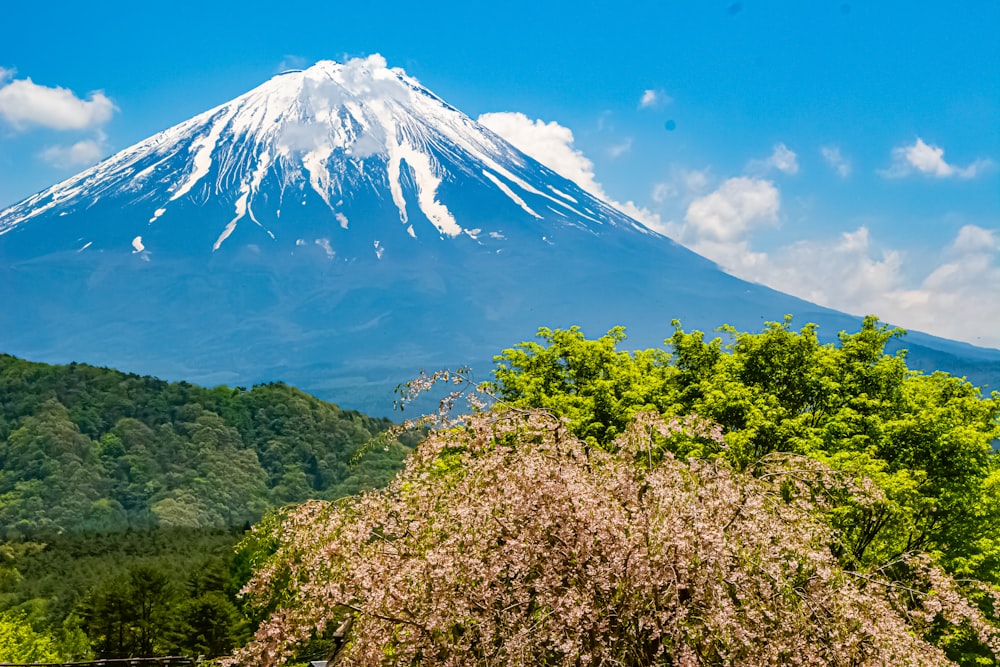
point(121, 498)
point(20, 643)
point(754, 498)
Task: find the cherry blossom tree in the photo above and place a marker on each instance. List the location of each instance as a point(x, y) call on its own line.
point(508, 540)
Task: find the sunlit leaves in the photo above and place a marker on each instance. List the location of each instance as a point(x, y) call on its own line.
point(925, 440)
point(19, 643)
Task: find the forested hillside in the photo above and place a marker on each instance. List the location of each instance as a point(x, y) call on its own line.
point(85, 449)
point(122, 498)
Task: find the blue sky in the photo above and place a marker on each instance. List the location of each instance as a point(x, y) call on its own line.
point(846, 152)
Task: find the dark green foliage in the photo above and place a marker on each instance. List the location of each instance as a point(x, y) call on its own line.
point(95, 450)
point(128, 594)
point(131, 615)
point(210, 623)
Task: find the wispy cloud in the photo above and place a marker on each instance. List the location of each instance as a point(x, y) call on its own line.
point(654, 99)
point(23, 104)
point(782, 158)
point(80, 154)
point(840, 164)
point(683, 185)
point(621, 148)
point(292, 62)
point(928, 159)
point(855, 274)
point(552, 144)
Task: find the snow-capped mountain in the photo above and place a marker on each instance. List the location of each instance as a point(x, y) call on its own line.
point(295, 160)
point(339, 228)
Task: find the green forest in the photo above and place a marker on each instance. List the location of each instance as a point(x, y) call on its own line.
point(122, 498)
point(741, 498)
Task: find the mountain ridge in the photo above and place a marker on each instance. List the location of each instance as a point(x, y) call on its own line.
point(341, 228)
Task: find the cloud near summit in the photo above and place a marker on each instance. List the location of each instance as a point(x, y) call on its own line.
point(549, 143)
point(79, 154)
point(552, 145)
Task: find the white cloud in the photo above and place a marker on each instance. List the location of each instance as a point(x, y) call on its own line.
point(696, 180)
point(80, 154)
point(848, 273)
point(973, 239)
point(718, 225)
point(834, 158)
point(292, 62)
point(654, 99)
point(853, 274)
point(642, 214)
point(929, 160)
point(729, 213)
point(944, 300)
point(24, 103)
point(552, 145)
point(782, 158)
point(549, 143)
point(736, 257)
point(662, 192)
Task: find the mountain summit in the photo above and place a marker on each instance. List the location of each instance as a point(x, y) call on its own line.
point(302, 159)
point(340, 228)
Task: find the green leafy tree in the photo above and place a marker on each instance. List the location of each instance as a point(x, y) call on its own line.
point(92, 449)
point(924, 439)
point(592, 383)
point(20, 643)
point(48, 465)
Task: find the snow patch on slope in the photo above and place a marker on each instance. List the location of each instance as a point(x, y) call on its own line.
point(510, 193)
point(427, 185)
point(202, 160)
